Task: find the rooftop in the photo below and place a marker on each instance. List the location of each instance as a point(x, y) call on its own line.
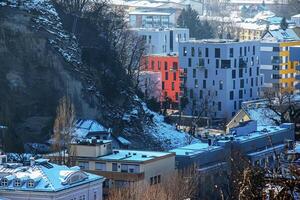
point(194, 149)
point(217, 41)
point(134, 156)
point(43, 176)
point(83, 127)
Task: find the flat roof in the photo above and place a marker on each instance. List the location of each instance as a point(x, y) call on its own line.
point(219, 41)
point(194, 149)
point(135, 156)
point(150, 13)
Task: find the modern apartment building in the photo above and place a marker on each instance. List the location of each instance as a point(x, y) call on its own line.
point(219, 76)
point(279, 71)
point(122, 167)
point(295, 57)
point(162, 40)
point(167, 66)
point(43, 180)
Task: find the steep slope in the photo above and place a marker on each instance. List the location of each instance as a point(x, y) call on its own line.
point(41, 62)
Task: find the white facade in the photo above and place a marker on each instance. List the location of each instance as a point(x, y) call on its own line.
point(163, 41)
point(44, 180)
point(296, 20)
point(219, 76)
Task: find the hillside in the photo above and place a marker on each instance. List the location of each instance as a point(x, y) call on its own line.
point(42, 62)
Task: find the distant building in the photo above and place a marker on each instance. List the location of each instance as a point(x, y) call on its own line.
point(296, 20)
point(170, 72)
point(162, 40)
point(122, 167)
point(279, 71)
point(295, 58)
point(259, 145)
point(44, 180)
point(219, 76)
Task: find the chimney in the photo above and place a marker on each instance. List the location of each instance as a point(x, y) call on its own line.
point(32, 161)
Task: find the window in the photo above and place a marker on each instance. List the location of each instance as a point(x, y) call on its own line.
point(241, 73)
point(173, 86)
point(205, 73)
point(158, 179)
point(83, 165)
point(225, 64)
point(217, 63)
point(162, 85)
point(221, 83)
point(175, 65)
point(250, 92)
point(100, 166)
point(174, 76)
point(189, 62)
point(233, 73)
point(204, 84)
point(155, 179)
point(217, 52)
point(30, 183)
point(191, 93)
point(231, 95)
point(4, 182)
point(151, 180)
point(152, 64)
point(194, 73)
point(234, 105)
point(257, 71)
point(250, 71)
point(17, 183)
point(233, 84)
point(242, 83)
point(166, 66)
point(253, 50)
point(201, 94)
point(201, 62)
point(199, 52)
point(114, 167)
point(193, 51)
point(240, 94)
point(219, 106)
point(231, 52)
point(276, 49)
point(166, 76)
point(184, 51)
point(158, 65)
point(206, 52)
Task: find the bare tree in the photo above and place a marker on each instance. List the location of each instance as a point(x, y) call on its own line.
point(63, 129)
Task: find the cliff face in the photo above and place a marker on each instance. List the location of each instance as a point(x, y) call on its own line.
point(40, 62)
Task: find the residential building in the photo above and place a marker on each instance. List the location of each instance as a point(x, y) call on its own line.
point(44, 180)
point(122, 167)
point(162, 40)
point(295, 58)
point(219, 76)
point(296, 20)
point(167, 66)
point(153, 18)
point(279, 71)
point(259, 145)
point(250, 31)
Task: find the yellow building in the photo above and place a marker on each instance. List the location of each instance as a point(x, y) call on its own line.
point(279, 71)
point(250, 31)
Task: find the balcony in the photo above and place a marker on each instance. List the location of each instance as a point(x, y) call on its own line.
point(119, 175)
point(297, 76)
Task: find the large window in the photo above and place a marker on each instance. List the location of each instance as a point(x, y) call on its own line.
point(114, 167)
point(217, 53)
point(100, 166)
point(83, 164)
point(129, 168)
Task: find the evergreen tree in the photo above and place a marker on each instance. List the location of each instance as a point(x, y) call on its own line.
point(283, 24)
point(189, 18)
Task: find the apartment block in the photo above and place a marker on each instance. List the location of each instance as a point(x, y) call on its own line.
point(279, 71)
point(45, 180)
point(122, 167)
point(169, 70)
point(255, 144)
point(295, 57)
point(219, 76)
point(162, 40)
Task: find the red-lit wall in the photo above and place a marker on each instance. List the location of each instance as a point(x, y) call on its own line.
point(170, 72)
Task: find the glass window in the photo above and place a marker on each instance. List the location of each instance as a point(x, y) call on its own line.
point(100, 166)
point(83, 165)
point(217, 52)
point(114, 167)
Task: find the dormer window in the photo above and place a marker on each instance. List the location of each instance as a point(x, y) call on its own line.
point(4, 182)
point(17, 183)
point(30, 183)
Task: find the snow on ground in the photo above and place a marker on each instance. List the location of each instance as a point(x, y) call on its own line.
point(166, 134)
point(48, 20)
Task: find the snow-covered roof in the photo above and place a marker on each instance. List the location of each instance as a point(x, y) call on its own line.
point(141, 4)
point(194, 149)
point(134, 156)
point(296, 16)
point(151, 13)
point(282, 35)
point(47, 177)
point(83, 127)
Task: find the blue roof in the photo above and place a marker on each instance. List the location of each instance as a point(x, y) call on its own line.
point(280, 34)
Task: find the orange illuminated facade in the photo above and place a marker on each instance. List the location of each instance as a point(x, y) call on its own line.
point(167, 65)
